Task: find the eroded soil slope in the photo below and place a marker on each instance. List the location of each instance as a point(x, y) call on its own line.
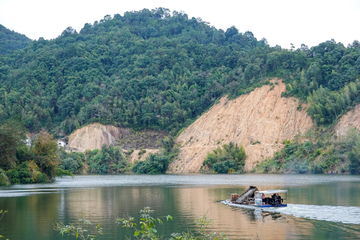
point(260, 121)
point(95, 135)
point(350, 120)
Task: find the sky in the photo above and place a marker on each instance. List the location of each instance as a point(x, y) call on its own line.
point(281, 22)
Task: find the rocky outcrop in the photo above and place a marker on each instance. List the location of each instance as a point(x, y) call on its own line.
point(260, 121)
point(350, 120)
point(95, 135)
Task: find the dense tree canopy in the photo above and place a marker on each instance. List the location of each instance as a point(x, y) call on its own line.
point(11, 41)
point(156, 69)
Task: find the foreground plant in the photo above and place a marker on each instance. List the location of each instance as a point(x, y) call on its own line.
point(2, 213)
point(83, 229)
point(147, 229)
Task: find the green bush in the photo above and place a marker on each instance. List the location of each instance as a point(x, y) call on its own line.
point(70, 164)
point(354, 166)
point(154, 164)
point(13, 175)
point(24, 173)
point(73, 162)
point(100, 160)
point(4, 180)
point(224, 167)
point(41, 178)
point(229, 156)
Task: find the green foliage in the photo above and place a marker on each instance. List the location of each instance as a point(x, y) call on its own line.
point(45, 149)
point(61, 172)
point(148, 227)
point(325, 106)
point(354, 157)
point(13, 175)
point(156, 70)
point(145, 69)
point(4, 180)
point(11, 41)
point(147, 222)
point(73, 161)
point(29, 164)
point(154, 164)
point(229, 157)
point(141, 152)
point(159, 162)
point(25, 173)
point(318, 151)
point(108, 159)
point(83, 229)
point(12, 133)
point(2, 213)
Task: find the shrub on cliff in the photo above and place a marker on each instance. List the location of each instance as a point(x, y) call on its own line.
point(158, 163)
point(228, 158)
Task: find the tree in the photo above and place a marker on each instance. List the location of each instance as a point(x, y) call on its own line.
point(45, 150)
point(231, 32)
point(12, 132)
point(354, 157)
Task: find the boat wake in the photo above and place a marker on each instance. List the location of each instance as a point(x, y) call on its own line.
point(343, 214)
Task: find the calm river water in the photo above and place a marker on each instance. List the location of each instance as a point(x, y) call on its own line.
point(320, 206)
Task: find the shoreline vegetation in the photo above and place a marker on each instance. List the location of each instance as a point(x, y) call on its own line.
point(318, 151)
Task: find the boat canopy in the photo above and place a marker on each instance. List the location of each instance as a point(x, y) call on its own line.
point(272, 191)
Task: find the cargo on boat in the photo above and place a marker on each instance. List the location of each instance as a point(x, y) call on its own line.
point(268, 198)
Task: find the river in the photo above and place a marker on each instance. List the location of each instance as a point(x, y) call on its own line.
point(320, 206)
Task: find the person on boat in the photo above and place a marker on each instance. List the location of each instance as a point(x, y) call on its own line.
point(263, 199)
point(273, 198)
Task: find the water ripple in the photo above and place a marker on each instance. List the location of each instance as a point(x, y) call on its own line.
point(342, 214)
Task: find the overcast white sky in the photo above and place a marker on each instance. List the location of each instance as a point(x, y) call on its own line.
point(281, 22)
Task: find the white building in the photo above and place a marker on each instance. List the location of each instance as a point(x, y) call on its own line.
point(61, 143)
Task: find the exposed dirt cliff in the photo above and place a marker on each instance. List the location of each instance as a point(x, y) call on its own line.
point(260, 121)
point(95, 135)
point(350, 119)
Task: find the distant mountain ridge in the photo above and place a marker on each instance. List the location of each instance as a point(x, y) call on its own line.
point(11, 41)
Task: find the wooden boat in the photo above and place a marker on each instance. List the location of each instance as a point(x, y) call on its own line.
point(252, 196)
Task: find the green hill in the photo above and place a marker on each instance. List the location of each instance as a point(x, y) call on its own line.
point(161, 70)
point(11, 41)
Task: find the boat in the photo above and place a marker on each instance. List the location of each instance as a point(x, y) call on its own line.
point(268, 198)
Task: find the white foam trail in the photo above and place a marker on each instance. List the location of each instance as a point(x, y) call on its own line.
point(341, 214)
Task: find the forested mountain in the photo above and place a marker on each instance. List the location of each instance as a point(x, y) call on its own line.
point(160, 70)
point(11, 41)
